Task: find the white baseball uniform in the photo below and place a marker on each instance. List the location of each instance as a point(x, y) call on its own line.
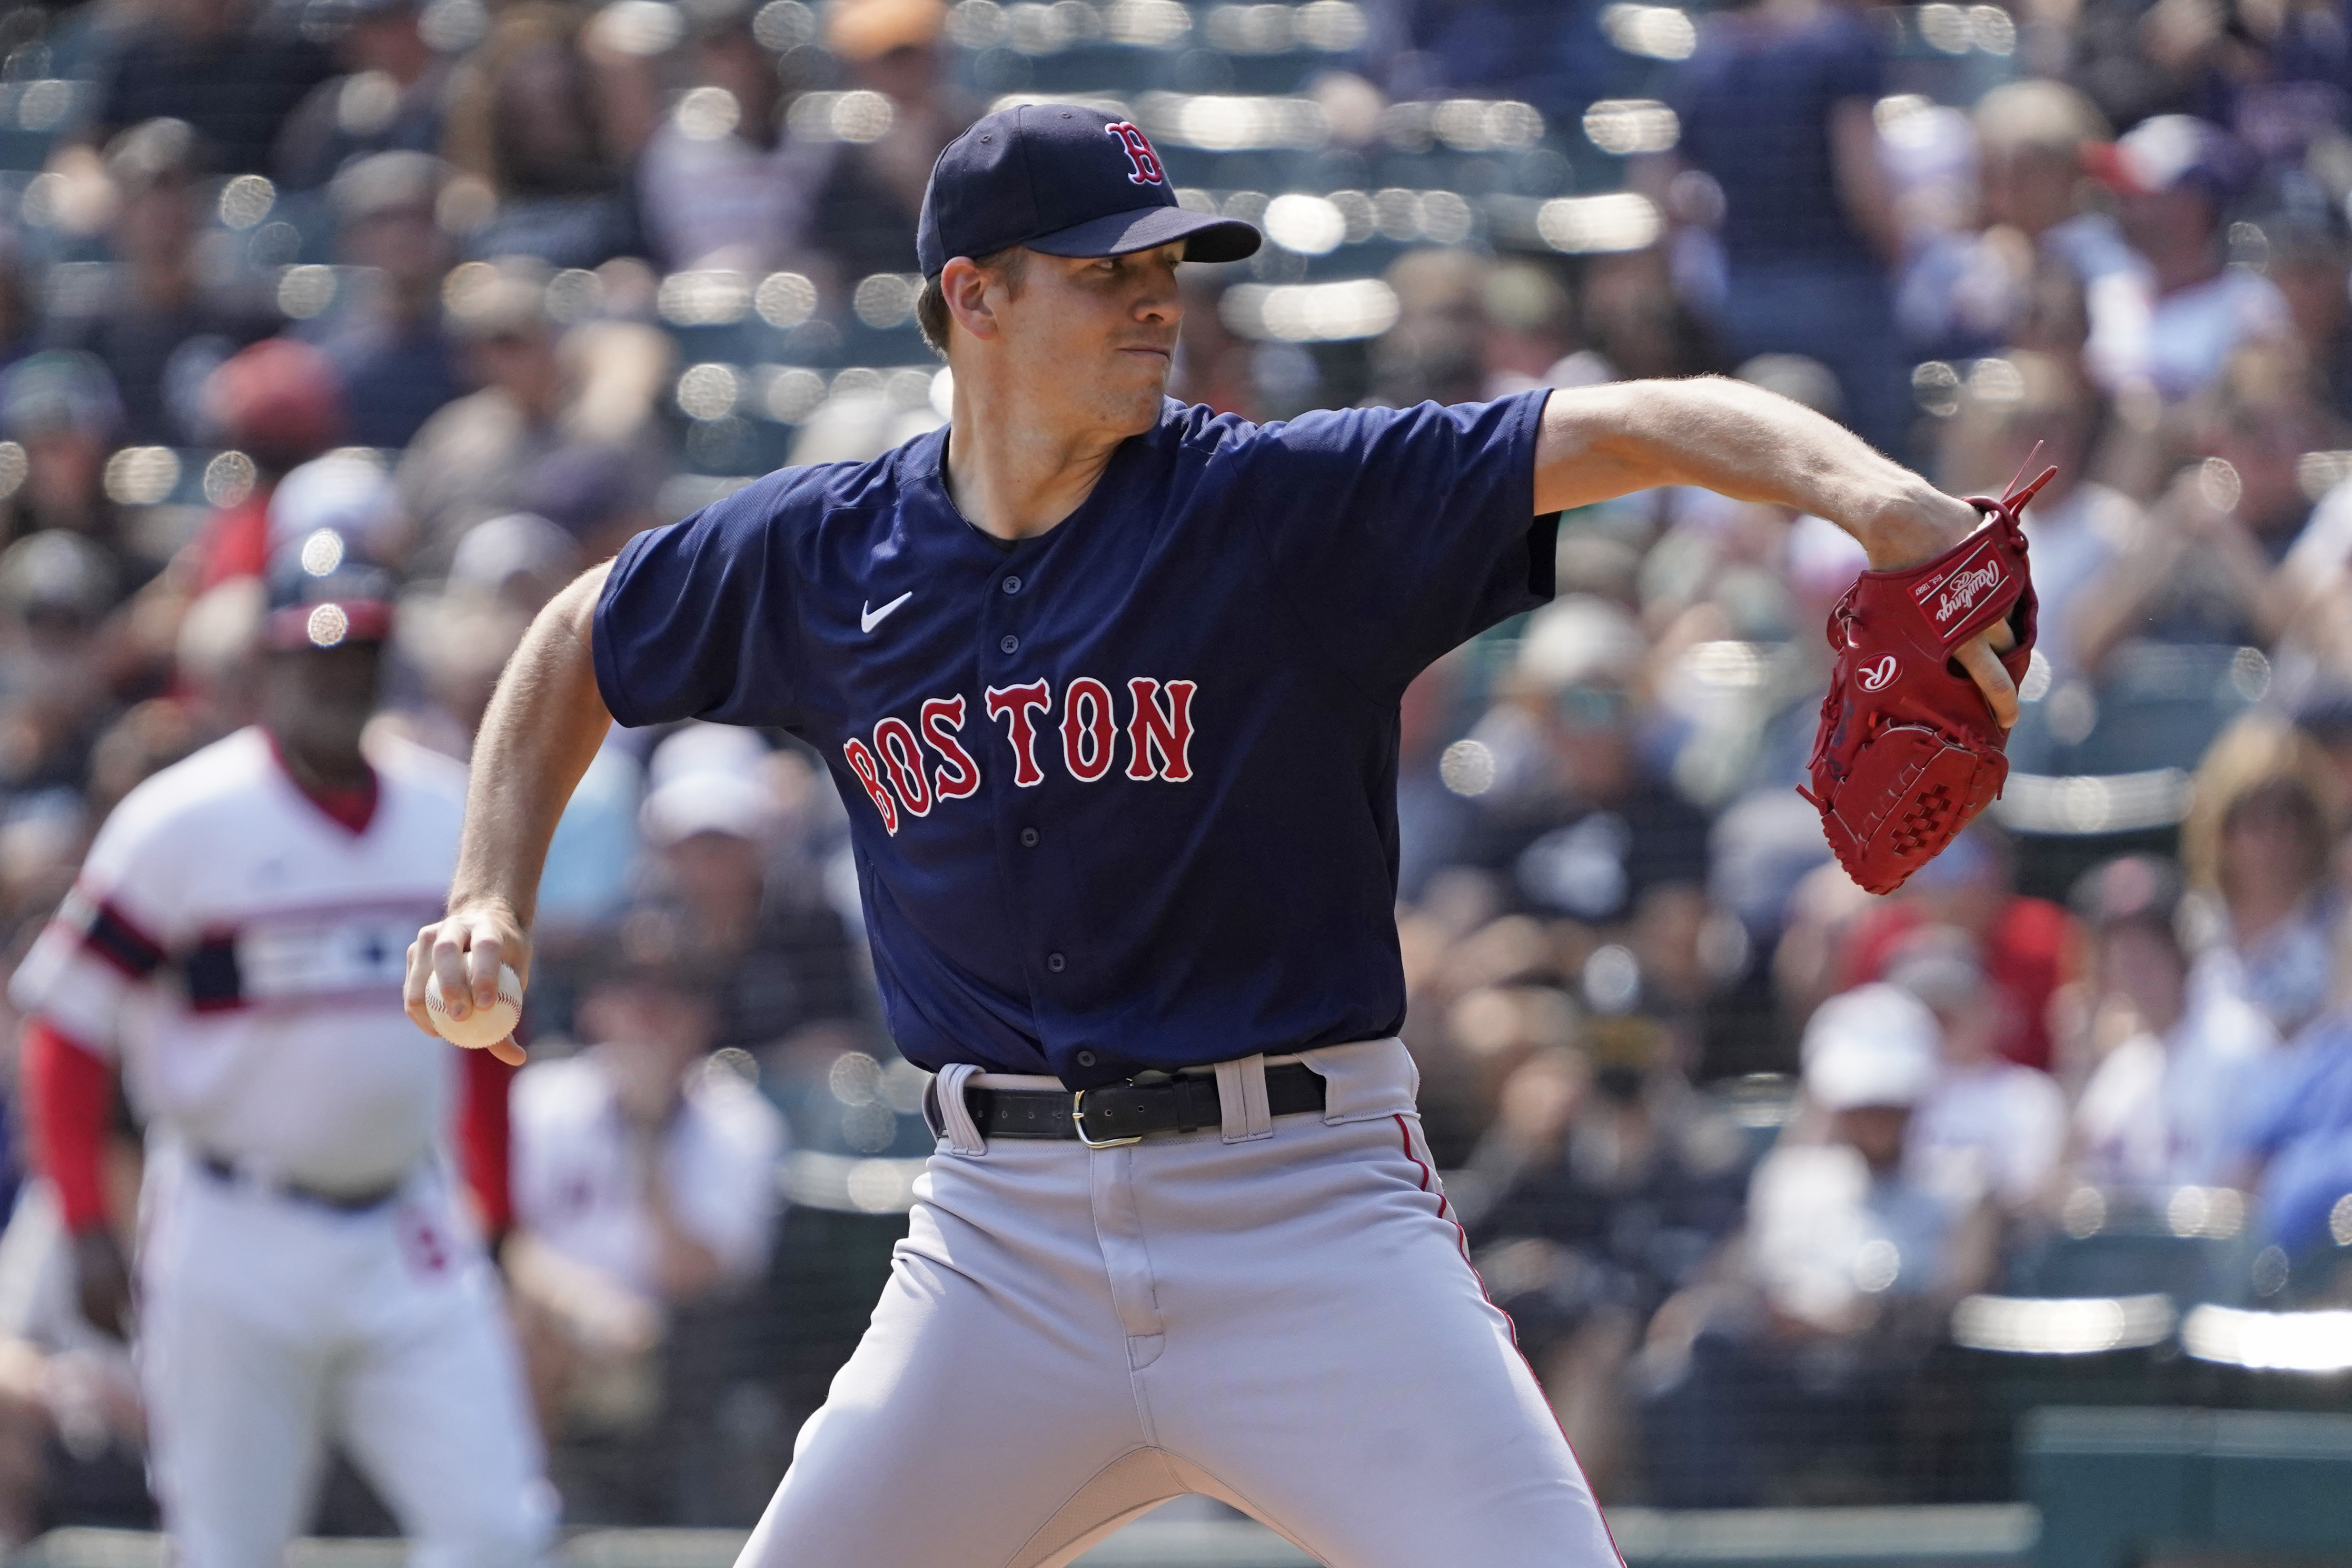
point(1266, 1313)
point(244, 952)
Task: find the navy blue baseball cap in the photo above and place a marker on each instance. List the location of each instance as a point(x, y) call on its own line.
point(1066, 181)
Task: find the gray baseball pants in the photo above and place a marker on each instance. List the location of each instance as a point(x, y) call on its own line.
point(1279, 1314)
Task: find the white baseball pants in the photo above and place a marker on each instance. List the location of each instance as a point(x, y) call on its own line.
point(1279, 1314)
point(269, 1324)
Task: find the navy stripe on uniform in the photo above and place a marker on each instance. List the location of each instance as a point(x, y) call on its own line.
point(114, 937)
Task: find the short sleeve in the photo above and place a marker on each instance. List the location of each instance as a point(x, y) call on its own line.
point(1397, 534)
point(109, 937)
point(699, 619)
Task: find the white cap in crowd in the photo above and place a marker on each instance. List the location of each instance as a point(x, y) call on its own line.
point(709, 778)
point(1874, 1045)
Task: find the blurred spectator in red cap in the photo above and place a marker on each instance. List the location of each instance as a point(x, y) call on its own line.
point(232, 70)
point(391, 97)
point(865, 211)
point(719, 183)
point(156, 323)
point(526, 118)
point(2172, 322)
point(390, 350)
point(276, 403)
point(2026, 945)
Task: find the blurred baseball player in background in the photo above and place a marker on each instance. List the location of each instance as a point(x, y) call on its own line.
point(307, 1269)
point(1111, 687)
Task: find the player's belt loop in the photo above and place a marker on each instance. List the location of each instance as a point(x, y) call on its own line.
point(1078, 1121)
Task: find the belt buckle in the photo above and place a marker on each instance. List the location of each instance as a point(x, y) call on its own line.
point(1078, 1120)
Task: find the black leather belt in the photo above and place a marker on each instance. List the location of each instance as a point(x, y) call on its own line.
point(1127, 1112)
point(229, 1172)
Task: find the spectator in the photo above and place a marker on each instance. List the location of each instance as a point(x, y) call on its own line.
point(1604, 1185)
point(160, 327)
point(1797, 1378)
point(1971, 292)
point(2034, 135)
point(865, 209)
point(2172, 322)
point(391, 352)
point(1436, 351)
point(56, 589)
point(540, 395)
point(1572, 813)
point(2310, 256)
point(525, 120)
point(2299, 1137)
point(1775, 107)
point(712, 818)
point(1987, 1126)
point(2025, 944)
point(2204, 568)
point(466, 461)
point(2270, 944)
point(599, 496)
point(60, 407)
point(392, 98)
point(2028, 408)
point(720, 184)
point(229, 69)
point(2166, 1104)
point(644, 1180)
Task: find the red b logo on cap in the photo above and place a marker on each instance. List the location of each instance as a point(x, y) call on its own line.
point(1139, 153)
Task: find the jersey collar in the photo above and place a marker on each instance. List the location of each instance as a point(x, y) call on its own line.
point(351, 809)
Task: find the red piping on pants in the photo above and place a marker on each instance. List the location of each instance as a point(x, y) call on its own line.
point(1444, 1212)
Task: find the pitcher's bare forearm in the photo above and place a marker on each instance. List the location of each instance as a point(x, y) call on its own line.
point(1601, 442)
point(545, 722)
point(543, 727)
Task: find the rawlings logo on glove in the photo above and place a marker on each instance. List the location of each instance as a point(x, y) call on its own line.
point(1909, 750)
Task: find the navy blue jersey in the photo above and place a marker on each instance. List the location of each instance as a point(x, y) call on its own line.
point(1124, 796)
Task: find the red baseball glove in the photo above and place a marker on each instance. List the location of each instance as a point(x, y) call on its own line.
point(1909, 750)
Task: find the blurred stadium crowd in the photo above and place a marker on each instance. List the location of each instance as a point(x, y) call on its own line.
point(1783, 1184)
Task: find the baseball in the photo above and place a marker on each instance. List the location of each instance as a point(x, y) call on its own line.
point(481, 1029)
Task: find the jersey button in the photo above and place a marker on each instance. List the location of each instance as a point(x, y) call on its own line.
point(1085, 1058)
point(1012, 585)
point(1008, 644)
point(1028, 839)
point(1056, 963)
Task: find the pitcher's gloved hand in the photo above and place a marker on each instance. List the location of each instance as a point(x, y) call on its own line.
point(1909, 750)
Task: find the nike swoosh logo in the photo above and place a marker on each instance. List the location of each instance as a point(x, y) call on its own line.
point(869, 619)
